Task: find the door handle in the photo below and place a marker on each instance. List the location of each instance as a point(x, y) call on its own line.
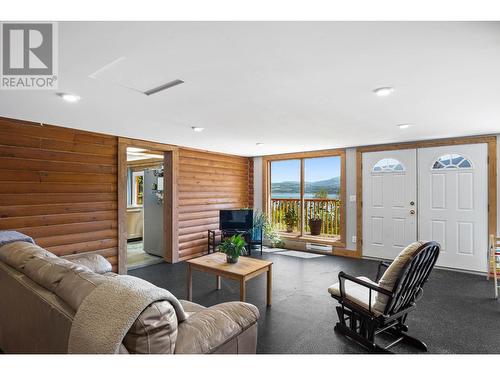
point(412, 212)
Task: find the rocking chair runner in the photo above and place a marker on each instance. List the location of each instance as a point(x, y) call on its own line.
point(369, 308)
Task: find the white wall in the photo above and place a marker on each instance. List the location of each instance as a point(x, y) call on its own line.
point(257, 183)
point(498, 184)
point(351, 191)
point(350, 171)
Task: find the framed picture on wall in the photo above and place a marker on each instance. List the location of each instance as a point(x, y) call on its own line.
point(137, 188)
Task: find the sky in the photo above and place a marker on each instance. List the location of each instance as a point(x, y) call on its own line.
point(316, 169)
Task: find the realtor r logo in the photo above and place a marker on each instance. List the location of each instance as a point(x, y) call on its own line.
point(29, 56)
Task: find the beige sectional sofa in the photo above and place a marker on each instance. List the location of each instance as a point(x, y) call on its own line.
point(40, 295)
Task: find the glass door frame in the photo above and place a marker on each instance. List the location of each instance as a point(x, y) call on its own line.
point(302, 156)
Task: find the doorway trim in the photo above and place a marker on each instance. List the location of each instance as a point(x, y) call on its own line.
point(490, 140)
point(171, 168)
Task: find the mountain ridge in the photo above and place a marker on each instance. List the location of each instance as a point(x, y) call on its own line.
point(332, 186)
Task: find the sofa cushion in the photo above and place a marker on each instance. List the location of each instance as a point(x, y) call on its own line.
point(48, 272)
point(206, 330)
point(77, 284)
point(94, 262)
point(154, 331)
point(191, 307)
point(16, 254)
point(358, 293)
point(391, 274)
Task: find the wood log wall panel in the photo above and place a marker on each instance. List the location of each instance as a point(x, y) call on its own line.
point(89, 246)
point(51, 187)
point(250, 182)
point(197, 215)
point(212, 164)
point(54, 209)
point(61, 177)
point(41, 220)
point(208, 182)
point(59, 186)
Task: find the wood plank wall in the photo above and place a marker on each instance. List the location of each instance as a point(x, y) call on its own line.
point(59, 186)
point(207, 183)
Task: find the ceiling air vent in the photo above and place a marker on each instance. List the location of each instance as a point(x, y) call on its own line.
point(163, 87)
point(123, 72)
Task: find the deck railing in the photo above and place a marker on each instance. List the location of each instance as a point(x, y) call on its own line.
point(326, 209)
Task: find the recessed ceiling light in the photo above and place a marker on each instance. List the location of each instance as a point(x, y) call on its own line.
point(383, 91)
point(403, 126)
point(259, 144)
point(197, 129)
point(70, 98)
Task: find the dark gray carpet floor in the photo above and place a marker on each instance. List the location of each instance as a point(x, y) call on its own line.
point(457, 313)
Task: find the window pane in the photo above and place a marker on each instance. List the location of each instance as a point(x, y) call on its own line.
point(465, 164)
point(322, 196)
point(445, 159)
point(456, 159)
point(285, 195)
point(452, 161)
point(437, 165)
point(388, 165)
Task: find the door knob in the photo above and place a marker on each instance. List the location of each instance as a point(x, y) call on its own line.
point(412, 212)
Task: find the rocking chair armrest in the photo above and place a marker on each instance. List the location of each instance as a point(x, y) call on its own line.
point(381, 265)
point(344, 276)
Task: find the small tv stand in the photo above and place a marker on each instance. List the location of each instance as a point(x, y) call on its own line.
point(225, 233)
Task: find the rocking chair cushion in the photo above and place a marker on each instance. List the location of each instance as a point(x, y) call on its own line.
point(390, 276)
point(358, 294)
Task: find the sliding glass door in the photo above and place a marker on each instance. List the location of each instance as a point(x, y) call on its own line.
point(286, 196)
point(305, 197)
point(322, 196)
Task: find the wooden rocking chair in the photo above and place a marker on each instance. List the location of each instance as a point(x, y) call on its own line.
point(369, 308)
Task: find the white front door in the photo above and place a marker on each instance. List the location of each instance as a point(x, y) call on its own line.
point(389, 202)
point(453, 203)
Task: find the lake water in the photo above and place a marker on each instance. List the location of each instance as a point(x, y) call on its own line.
point(297, 195)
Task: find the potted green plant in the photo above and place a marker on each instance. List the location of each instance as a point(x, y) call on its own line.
point(291, 219)
point(259, 221)
point(315, 224)
point(272, 235)
point(233, 247)
point(262, 223)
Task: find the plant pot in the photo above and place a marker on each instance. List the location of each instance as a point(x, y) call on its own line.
point(315, 226)
point(231, 259)
point(289, 228)
point(256, 233)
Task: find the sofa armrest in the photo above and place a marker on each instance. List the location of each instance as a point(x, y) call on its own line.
point(206, 330)
point(94, 262)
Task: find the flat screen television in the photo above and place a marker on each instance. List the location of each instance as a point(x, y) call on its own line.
point(236, 220)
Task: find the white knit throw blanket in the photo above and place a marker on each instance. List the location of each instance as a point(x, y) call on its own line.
point(107, 313)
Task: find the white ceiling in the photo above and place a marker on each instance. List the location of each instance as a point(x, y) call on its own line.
point(293, 86)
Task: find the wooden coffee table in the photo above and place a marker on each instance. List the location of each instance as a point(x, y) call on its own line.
point(244, 270)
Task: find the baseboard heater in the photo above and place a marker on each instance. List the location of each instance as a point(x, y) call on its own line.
point(318, 247)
